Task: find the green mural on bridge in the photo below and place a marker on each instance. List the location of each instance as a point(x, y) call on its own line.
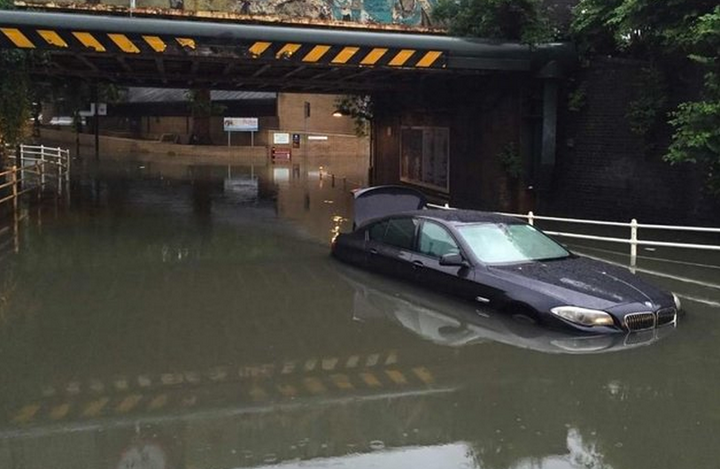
point(408, 13)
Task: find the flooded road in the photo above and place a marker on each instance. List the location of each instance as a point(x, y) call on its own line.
point(191, 317)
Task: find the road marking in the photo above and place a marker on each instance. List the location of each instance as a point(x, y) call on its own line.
point(328, 364)
point(128, 404)
point(144, 381)
point(94, 408)
point(396, 376)
point(171, 379)
point(73, 388)
point(353, 361)
point(60, 411)
point(158, 402)
point(310, 364)
point(97, 386)
point(258, 394)
point(424, 375)
point(342, 382)
point(192, 377)
point(391, 359)
point(288, 367)
point(26, 414)
point(121, 384)
point(218, 374)
point(189, 401)
point(287, 390)
point(314, 385)
point(370, 380)
point(372, 360)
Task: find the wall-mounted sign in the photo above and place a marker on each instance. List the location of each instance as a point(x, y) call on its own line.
point(240, 124)
point(281, 138)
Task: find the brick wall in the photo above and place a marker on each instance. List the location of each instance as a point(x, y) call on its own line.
point(292, 108)
point(605, 171)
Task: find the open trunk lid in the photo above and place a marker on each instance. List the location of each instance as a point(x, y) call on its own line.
point(379, 201)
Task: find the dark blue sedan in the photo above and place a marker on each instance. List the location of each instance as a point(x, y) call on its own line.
point(498, 261)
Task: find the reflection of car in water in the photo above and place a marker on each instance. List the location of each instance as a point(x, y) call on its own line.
point(450, 322)
point(500, 261)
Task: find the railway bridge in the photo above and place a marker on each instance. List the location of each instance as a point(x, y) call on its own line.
point(470, 98)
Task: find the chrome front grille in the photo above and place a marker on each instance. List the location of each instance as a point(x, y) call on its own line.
point(666, 316)
point(643, 321)
point(639, 321)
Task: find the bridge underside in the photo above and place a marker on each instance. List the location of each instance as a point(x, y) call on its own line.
point(166, 53)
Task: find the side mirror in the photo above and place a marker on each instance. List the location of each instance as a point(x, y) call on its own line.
point(453, 259)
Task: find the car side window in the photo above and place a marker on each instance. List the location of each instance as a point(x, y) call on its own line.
point(435, 240)
point(401, 232)
point(377, 231)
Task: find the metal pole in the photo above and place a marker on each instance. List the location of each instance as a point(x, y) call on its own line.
point(633, 242)
point(96, 119)
point(531, 219)
point(229, 134)
point(252, 138)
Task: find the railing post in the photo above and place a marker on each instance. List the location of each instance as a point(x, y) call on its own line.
point(531, 218)
point(15, 191)
point(42, 168)
point(633, 242)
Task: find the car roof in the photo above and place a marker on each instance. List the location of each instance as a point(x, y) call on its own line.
point(459, 216)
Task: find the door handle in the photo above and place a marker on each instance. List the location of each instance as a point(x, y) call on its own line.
point(418, 265)
point(373, 251)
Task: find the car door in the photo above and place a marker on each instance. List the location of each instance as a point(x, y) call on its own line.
point(435, 241)
point(390, 246)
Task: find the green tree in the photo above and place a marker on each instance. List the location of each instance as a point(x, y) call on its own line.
point(672, 35)
point(14, 93)
point(513, 20)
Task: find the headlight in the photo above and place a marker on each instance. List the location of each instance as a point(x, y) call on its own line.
point(583, 316)
point(678, 305)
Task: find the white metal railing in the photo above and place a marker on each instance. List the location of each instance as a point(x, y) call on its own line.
point(633, 241)
point(36, 167)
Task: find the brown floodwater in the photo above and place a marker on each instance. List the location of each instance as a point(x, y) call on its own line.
point(178, 316)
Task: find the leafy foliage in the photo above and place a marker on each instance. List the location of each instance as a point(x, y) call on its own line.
point(14, 92)
point(515, 20)
point(645, 110)
point(511, 161)
point(672, 34)
point(360, 108)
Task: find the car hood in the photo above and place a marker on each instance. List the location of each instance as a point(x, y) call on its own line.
point(583, 282)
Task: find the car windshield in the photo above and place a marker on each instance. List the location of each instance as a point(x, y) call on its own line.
point(495, 243)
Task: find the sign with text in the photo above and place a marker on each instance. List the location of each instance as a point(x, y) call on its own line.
point(281, 138)
point(240, 124)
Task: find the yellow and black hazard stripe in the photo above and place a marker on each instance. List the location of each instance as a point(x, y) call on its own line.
point(359, 56)
point(302, 53)
point(12, 37)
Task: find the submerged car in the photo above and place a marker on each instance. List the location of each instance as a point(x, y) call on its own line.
point(498, 261)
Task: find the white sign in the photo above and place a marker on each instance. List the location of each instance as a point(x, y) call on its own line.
point(101, 110)
point(240, 124)
point(281, 139)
